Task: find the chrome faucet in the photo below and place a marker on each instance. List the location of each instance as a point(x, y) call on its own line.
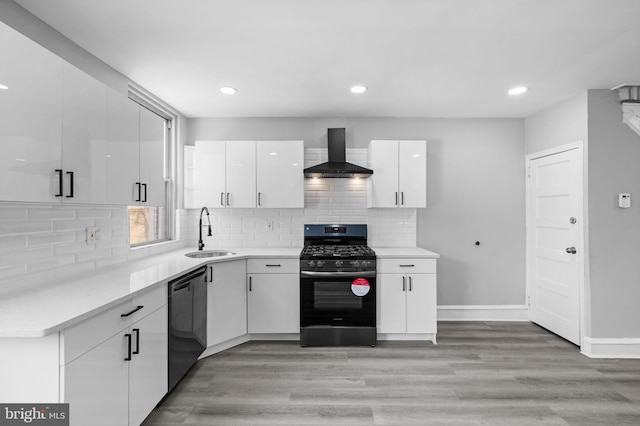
point(200, 242)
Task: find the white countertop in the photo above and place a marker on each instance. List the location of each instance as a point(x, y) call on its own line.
point(404, 252)
point(40, 312)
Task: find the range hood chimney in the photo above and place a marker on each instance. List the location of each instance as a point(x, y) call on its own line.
point(337, 166)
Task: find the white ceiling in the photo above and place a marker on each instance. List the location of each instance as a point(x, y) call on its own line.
point(298, 58)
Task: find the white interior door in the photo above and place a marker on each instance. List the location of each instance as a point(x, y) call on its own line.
point(554, 243)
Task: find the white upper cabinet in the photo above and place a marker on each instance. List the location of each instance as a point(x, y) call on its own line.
point(209, 175)
point(225, 174)
point(123, 149)
point(246, 174)
point(280, 178)
point(153, 129)
point(241, 174)
point(66, 137)
point(84, 138)
point(30, 125)
point(399, 173)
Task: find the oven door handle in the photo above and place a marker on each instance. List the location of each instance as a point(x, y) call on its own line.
point(338, 274)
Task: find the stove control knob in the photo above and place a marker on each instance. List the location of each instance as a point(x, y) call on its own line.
point(355, 263)
point(320, 263)
point(365, 263)
point(338, 263)
point(311, 263)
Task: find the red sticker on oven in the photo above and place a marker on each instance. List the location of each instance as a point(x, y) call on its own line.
point(360, 287)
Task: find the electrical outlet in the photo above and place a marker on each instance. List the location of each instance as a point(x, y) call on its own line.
point(93, 234)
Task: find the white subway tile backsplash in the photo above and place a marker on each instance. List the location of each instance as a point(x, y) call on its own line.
point(44, 242)
point(59, 213)
point(13, 214)
point(51, 239)
point(22, 228)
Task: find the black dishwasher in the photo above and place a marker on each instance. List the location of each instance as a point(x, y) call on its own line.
point(187, 322)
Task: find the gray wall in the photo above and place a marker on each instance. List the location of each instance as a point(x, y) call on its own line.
point(558, 125)
point(475, 191)
point(614, 233)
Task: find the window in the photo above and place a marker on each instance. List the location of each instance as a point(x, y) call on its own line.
point(149, 221)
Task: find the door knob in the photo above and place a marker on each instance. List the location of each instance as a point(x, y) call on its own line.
point(571, 250)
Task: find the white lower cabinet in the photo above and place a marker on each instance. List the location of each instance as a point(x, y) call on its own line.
point(121, 379)
point(226, 301)
point(273, 296)
point(407, 300)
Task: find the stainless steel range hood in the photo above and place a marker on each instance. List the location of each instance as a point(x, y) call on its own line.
point(337, 166)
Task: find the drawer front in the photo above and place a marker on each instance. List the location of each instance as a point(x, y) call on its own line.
point(151, 300)
point(84, 336)
point(406, 266)
point(273, 266)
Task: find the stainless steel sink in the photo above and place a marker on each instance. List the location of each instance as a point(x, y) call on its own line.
point(209, 253)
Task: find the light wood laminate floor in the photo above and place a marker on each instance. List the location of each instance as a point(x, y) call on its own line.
point(479, 373)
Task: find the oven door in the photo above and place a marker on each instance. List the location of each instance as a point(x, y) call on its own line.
point(338, 298)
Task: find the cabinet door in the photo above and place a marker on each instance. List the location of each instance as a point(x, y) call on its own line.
point(274, 303)
point(30, 125)
point(152, 161)
point(241, 174)
point(280, 178)
point(421, 303)
point(84, 137)
point(412, 161)
point(148, 368)
point(383, 184)
point(123, 149)
point(96, 385)
point(227, 302)
point(392, 303)
point(209, 162)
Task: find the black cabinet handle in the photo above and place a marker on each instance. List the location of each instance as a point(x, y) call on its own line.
point(404, 284)
point(259, 198)
point(128, 336)
point(222, 198)
point(209, 277)
point(249, 283)
point(60, 185)
point(135, 310)
point(139, 191)
point(137, 331)
point(396, 198)
point(407, 266)
point(145, 192)
point(273, 265)
point(410, 284)
point(227, 198)
point(70, 185)
point(402, 198)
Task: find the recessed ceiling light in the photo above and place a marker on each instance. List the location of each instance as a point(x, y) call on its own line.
point(358, 89)
point(227, 90)
point(518, 90)
point(3, 87)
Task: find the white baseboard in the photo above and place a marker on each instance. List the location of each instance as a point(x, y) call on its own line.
point(611, 347)
point(483, 313)
point(408, 336)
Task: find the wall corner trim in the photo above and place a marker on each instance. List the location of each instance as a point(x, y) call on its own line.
point(483, 313)
point(623, 347)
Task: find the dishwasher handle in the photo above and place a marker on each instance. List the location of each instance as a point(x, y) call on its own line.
point(184, 281)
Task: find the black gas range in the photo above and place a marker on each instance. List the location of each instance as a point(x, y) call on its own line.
point(337, 287)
